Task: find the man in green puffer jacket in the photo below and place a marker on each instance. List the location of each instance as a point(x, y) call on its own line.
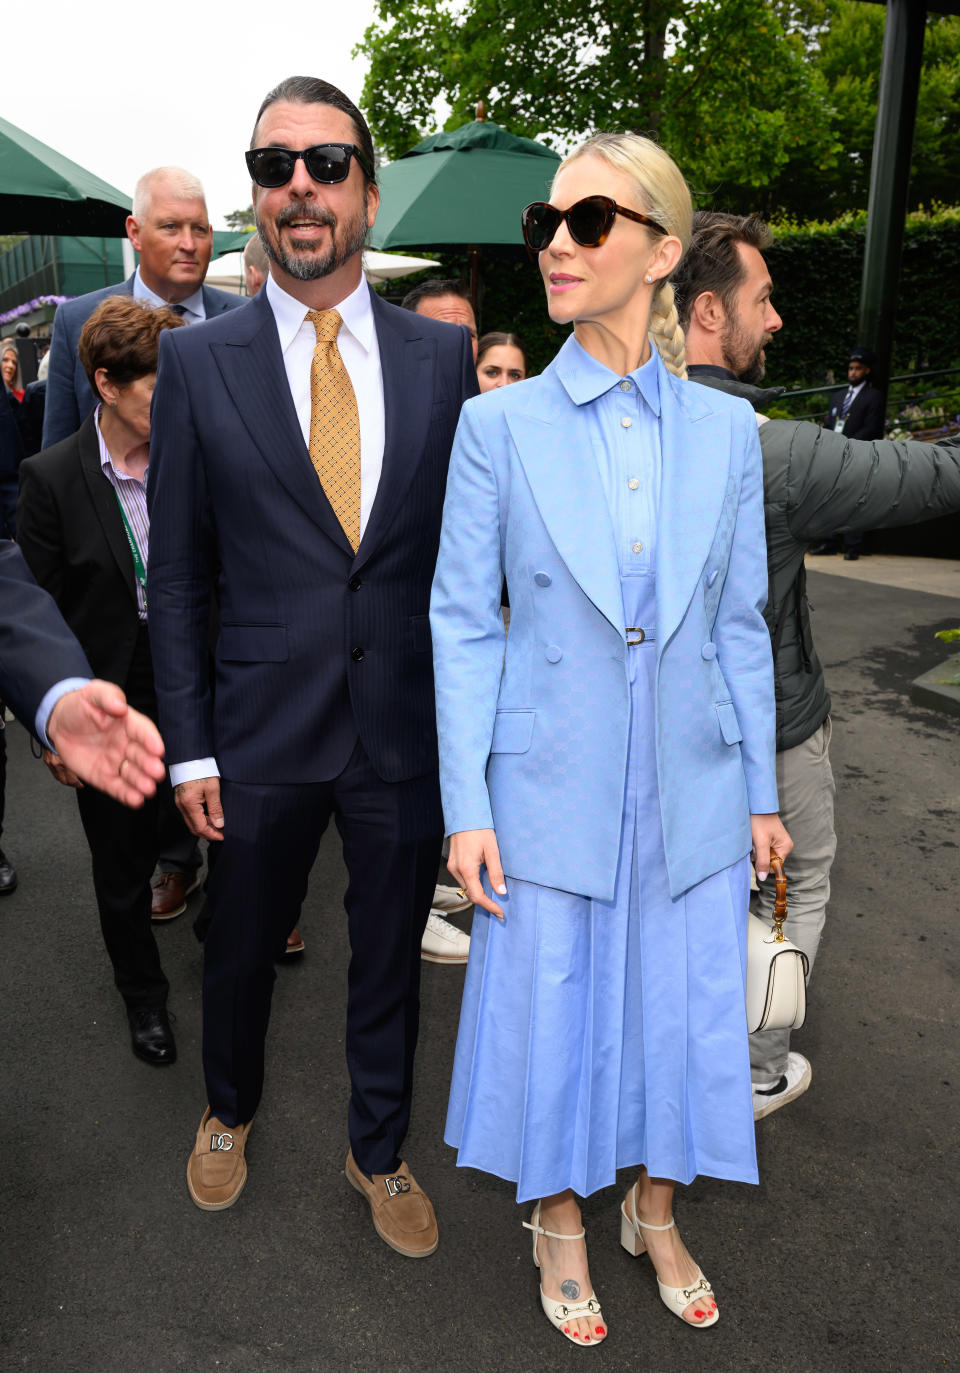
point(816, 483)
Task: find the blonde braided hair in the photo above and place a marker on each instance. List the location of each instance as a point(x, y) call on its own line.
point(665, 330)
point(661, 193)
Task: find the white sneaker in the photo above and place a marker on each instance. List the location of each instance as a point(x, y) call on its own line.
point(449, 900)
point(794, 1083)
point(443, 942)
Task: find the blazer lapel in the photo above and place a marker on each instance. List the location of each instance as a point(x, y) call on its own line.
point(251, 365)
point(104, 501)
point(407, 365)
point(695, 448)
point(563, 476)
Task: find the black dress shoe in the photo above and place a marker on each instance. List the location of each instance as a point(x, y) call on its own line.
point(851, 556)
point(8, 875)
point(151, 1037)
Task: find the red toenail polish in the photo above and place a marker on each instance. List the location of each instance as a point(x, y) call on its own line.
point(566, 1330)
point(576, 1334)
point(699, 1315)
point(600, 1330)
point(586, 1338)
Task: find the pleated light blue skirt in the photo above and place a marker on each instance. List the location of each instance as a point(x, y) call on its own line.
point(601, 1035)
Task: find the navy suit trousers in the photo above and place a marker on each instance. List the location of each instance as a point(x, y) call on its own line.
point(391, 834)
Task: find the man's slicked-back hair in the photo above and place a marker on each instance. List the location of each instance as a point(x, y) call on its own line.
point(712, 262)
point(310, 90)
point(431, 289)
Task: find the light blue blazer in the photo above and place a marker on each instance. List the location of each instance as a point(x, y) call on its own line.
point(534, 743)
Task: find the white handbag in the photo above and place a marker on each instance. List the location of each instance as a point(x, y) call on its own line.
point(776, 969)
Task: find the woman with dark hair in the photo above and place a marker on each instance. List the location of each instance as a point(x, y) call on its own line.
point(83, 527)
point(501, 361)
point(605, 778)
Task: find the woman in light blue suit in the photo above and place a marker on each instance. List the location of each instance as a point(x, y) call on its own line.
point(612, 771)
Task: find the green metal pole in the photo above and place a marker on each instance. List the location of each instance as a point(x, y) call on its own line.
point(890, 177)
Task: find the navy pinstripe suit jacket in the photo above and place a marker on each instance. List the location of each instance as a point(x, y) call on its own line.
point(316, 645)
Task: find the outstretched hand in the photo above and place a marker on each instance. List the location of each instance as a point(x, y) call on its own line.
point(106, 743)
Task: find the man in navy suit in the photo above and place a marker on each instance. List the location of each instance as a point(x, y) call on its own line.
point(324, 679)
point(170, 229)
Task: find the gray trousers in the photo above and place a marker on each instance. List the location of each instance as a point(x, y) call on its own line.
point(806, 786)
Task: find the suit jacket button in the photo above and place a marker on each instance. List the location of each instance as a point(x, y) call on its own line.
point(357, 655)
point(712, 576)
point(355, 583)
point(542, 578)
point(553, 653)
point(708, 651)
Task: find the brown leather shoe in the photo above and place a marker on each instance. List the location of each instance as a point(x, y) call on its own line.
point(170, 892)
point(217, 1169)
point(402, 1214)
point(295, 942)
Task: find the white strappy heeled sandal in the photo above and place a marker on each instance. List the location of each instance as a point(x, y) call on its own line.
point(558, 1313)
point(675, 1299)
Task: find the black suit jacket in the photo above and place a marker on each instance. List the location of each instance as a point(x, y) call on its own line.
point(866, 416)
point(317, 644)
point(71, 532)
point(37, 649)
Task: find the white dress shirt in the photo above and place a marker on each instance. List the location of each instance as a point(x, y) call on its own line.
point(360, 351)
point(193, 307)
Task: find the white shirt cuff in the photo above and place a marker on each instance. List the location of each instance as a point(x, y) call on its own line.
point(193, 771)
point(45, 708)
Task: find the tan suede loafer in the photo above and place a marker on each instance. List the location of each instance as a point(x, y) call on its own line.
point(402, 1213)
point(217, 1168)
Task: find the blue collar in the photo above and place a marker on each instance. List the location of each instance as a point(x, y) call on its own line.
point(584, 378)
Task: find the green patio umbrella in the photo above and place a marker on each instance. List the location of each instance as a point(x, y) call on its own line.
point(464, 187)
point(43, 192)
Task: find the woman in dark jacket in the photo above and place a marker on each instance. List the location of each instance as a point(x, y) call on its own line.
point(83, 527)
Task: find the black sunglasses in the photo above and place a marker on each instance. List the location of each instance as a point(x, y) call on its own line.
point(589, 221)
point(326, 162)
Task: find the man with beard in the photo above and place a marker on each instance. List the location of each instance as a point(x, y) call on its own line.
point(814, 482)
point(298, 462)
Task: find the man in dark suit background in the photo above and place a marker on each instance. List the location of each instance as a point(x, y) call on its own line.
point(858, 413)
point(298, 462)
point(170, 229)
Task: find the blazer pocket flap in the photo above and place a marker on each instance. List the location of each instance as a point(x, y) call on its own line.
point(512, 731)
point(253, 643)
point(729, 724)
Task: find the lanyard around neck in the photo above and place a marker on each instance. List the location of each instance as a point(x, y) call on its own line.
point(139, 570)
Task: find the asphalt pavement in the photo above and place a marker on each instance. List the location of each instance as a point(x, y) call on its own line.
point(842, 1259)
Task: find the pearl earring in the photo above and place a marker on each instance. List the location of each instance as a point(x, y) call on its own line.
point(648, 279)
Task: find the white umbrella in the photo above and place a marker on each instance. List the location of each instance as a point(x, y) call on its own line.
point(226, 273)
point(387, 266)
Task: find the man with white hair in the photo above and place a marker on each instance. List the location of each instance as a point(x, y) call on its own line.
point(170, 229)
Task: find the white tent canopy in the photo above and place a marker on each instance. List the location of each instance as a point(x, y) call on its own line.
point(226, 273)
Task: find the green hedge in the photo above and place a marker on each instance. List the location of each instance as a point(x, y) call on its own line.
point(816, 270)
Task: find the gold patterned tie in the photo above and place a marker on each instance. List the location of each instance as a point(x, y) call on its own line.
point(335, 425)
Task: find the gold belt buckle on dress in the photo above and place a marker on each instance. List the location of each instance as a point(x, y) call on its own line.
point(634, 629)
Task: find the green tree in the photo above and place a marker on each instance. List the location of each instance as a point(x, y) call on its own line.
point(240, 220)
point(767, 105)
point(713, 79)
